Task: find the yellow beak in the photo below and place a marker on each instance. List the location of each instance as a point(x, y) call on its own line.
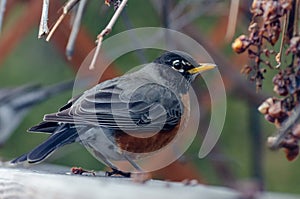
point(202, 67)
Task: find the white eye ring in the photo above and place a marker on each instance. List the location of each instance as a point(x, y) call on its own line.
point(175, 62)
point(179, 70)
point(186, 63)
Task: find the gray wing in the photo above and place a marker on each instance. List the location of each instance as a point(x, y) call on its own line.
point(146, 108)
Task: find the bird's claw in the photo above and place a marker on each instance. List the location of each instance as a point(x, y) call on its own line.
point(118, 172)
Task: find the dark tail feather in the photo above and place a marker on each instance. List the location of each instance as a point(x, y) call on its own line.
point(66, 134)
point(20, 159)
point(45, 127)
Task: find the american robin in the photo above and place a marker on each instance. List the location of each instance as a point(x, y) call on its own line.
point(111, 118)
point(16, 102)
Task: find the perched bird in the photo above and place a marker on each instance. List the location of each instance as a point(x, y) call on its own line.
point(107, 117)
point(15, 104)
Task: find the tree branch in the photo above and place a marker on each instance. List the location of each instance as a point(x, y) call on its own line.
point(43, 29)
point(67, 7)
point(106, 31)
point(75, 29)
point(2, 10)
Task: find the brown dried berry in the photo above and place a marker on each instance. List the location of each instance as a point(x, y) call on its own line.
point(257, 7)
point(270, 100)
point(246, 70)
point(275, 110)
point(240, 44)
point(274, 37)
point(107, 2)
point(291, 145)
point(270, 118)
point(283, 116)
point(286, 5)
point(296, 131)
point(281, 90)
point(271, 141)
point(264, 107)
point(291, 154)
point(294, 46)
point(288, 103)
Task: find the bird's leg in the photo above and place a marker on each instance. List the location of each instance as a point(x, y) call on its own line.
point(114, 171)
point(133, 163)
point(118, 172)
point(80, 171)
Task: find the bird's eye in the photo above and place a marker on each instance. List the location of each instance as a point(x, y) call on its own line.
point(176, 64)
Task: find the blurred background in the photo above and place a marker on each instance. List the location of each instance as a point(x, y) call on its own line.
point(240, 154)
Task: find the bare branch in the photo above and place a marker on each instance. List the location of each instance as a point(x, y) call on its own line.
point(2, 10)
point(43, 29)
point(279, 55)
point(75, 29)
point(106, 31)
point(67, 7)
point(232, 19)
point(179, 8)
point(72, 14)
point(190, 16)
point(296, 18)
point(285, 128)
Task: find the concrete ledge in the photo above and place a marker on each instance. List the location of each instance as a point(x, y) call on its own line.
point(49, 181)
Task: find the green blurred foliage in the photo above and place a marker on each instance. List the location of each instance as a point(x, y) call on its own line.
point(37, 61)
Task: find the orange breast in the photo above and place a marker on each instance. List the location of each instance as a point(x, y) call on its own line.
point(145, 145)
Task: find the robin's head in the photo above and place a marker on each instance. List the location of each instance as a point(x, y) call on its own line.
point(183, 63)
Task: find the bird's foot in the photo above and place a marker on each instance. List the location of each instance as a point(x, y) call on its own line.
point(118, 172)
point(80, 171)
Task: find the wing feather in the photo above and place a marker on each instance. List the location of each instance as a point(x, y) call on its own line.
point(148, 107)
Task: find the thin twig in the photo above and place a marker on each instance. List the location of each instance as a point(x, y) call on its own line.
point(43, 30)
point(67, 7)
point(55, 27)
point(2, 10)
point(232, 19)
point(73, 13)
point(106, 31)
point(75, 29)
point(279, 55)
point(296, 17)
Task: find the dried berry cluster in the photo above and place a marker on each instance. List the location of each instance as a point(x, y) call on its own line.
point(272, 18)
point(264, 28)
point(273, 110)
point(277, 110)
